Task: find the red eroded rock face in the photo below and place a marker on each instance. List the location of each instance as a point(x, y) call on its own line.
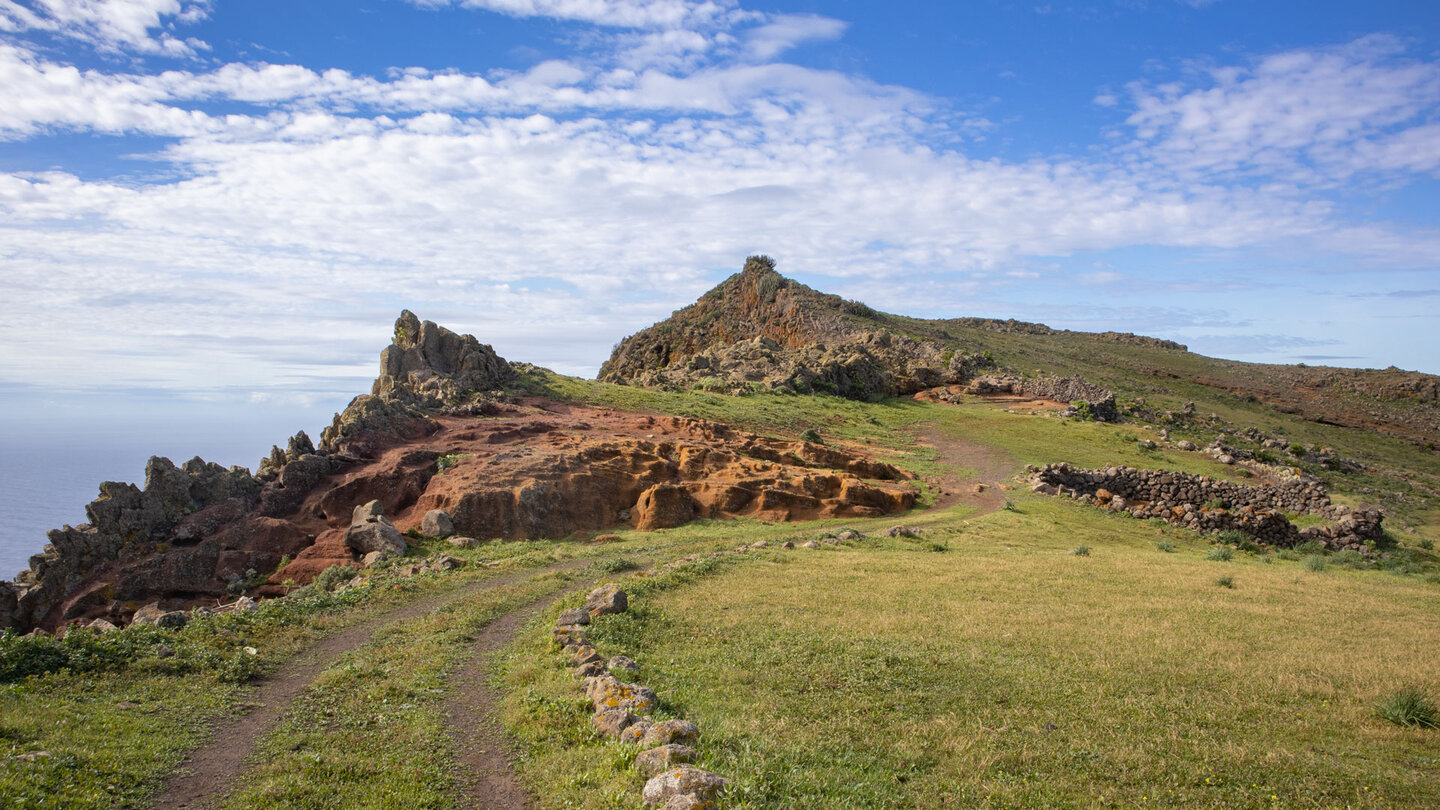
point(537, 469)
point(545, 469)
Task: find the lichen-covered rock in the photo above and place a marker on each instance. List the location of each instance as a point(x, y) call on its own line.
point(148, 614)
point(588, 669)
point(635, 732)
point(656, 760)
point(612, 722)
point(608, 692)
point(460, 541)
point(573, 616)
point(622, 663)
point(101, 626)
point(437, 523)
point(584, 654)
point(570, 635)
point(809, 544)
point(606, 600)
point(682, 780)
point(688, 801)
point(681, 732)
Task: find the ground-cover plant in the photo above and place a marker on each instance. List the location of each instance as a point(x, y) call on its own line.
point(1411, 708)
point(1220, 554)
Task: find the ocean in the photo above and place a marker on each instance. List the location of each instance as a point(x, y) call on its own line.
point(49, 470)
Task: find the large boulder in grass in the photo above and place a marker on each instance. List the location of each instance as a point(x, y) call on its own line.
point(683, 780)
point(437, 523)
point(668, 732)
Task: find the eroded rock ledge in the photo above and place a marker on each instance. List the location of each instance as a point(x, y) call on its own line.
point(1209, 505)
point(517, 468)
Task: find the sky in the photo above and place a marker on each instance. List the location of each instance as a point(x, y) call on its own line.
point(211, 211)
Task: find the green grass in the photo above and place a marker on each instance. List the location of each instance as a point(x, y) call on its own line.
point(1000, 674)
point(370, 732)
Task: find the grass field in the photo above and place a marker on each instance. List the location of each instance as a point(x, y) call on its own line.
point(1009, 672)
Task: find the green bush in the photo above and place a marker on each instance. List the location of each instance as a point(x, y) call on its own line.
point(809, 435)
point(1226, 582)
point(333, 577)
point(1410, 708)
point(1165, 546)
point(1221, 554)
point(1349, 558)
point(1217, 503)
point(1427, 544)
point(1081, 551)
point(1314, 562)
point(1288, 554)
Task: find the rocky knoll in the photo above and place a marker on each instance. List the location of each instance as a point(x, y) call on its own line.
point(538, 468)
point(761, 331)
point(514, 468)
point(1206, 504)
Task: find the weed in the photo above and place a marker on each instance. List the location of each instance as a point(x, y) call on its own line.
point(1410, 708)
point(333, 577)
point(811, 436)
point(1010, 507)
point(936, 547)
point(447, 461)
point(1349, 558)
point(1226, 582)
point(1427, 544)
point(1287, 554)
point(1221, 554)
point(619, 565)
point(1081, 551)
point(1165, 546)
point(1217, 503)
point(1314, 562)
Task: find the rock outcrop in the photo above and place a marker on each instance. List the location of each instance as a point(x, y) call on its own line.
point(761, 331)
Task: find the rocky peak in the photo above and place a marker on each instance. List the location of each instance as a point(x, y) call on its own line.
point(436, 364)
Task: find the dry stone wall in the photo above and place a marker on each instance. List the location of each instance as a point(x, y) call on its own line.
point(1210, 505)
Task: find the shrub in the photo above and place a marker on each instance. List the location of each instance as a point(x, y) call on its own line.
point(619, 565)
point(937, 547)
point(1165, 546)
point(333, 577)
point(446, 462)
point(1288, 554)
point(1410, 708)
point(1081, 551)
point(1221, 554)
point(811, 436)
point(1314, 562)
point(1226, 582)
point(1083, 410)
point(1217, 503)
point(1311, 547)
point(1296, 449)
point(1427, 544)
point(1267, 457)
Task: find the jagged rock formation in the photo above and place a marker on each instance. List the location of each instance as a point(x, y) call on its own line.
point(426, 369)
point(201, 532)
point(1210, 505)
point(761, 331)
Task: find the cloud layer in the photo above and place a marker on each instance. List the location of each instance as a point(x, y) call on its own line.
point(554, 210)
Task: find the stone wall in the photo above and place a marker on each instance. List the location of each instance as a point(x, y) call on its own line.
point(1210, 505)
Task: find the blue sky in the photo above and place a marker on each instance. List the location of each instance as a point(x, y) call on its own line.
point(224, 204)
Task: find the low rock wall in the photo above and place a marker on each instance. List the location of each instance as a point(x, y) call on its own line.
point(1209, 505)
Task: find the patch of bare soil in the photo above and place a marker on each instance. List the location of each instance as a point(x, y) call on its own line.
point(211, 771)
point(477, 739)
point(993, 467)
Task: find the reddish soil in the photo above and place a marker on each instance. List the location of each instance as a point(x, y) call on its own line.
point(547, 469)
point(992, 468)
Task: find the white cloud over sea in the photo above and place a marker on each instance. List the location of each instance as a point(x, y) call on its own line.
point(283, 213)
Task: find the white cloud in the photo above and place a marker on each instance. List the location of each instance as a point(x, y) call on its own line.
point(119, 25)
point(785, 31)
point(618, 13)
point(1319, 115)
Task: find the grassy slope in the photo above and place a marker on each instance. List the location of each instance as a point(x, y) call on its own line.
point(884, 676)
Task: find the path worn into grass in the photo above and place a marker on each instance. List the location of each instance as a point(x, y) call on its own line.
point(210, 772)
point(476, 737)
point(992, 466)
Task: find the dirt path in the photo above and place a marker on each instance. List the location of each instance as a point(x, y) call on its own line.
point(211, 771)
point(991, 465)
point(477, 739)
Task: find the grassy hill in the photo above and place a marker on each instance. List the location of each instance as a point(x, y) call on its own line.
point(1014, 650)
